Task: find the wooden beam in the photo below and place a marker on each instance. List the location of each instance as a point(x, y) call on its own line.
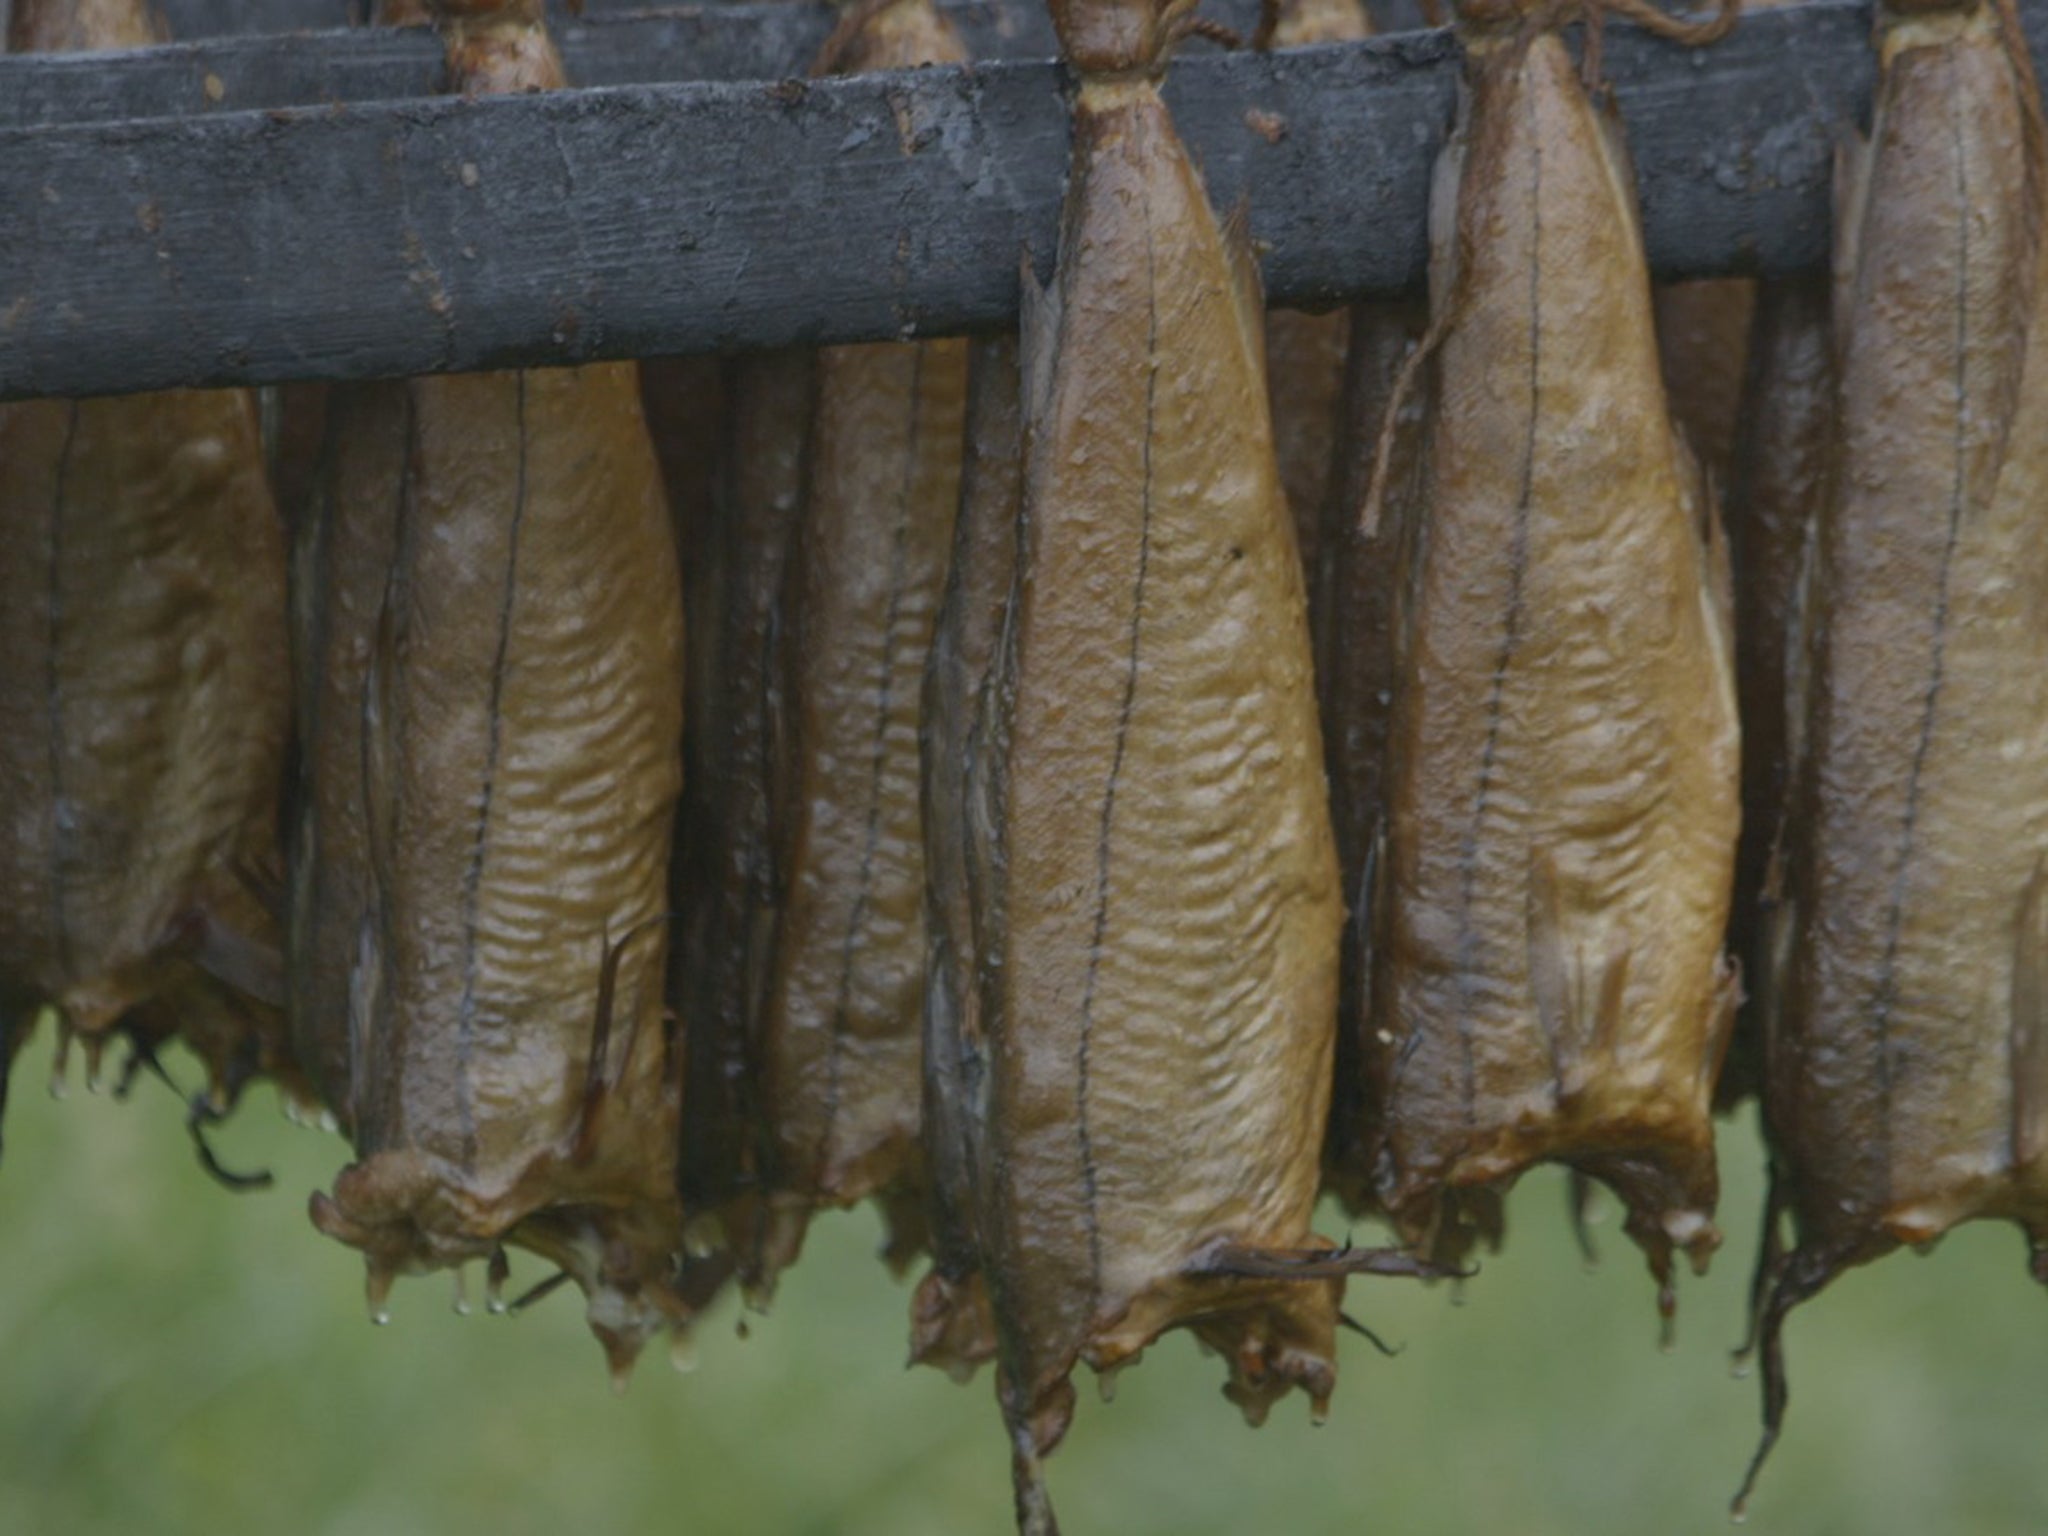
point(246, 70)
point(402, 237)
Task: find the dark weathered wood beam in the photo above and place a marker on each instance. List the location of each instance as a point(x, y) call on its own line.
point(403, 237)
point(250, 71)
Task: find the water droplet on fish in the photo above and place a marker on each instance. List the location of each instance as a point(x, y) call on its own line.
point(703, 1236)
point(377, 1280)
point(682, 1351)
point(496, 1272)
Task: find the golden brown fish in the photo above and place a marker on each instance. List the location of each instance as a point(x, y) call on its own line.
point(1562, 795)
point(1906, 1071)
point(521, 728)
point(841, 1021)
point(1155, 891)
point(145, 712)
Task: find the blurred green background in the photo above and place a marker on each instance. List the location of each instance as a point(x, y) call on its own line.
point(177, 1358)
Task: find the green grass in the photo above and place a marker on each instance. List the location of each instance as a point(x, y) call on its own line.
point(178, 1359)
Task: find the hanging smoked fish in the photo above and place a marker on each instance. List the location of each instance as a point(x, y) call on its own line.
point(1152, 886)
point(840, 1025)
point(520, 729)
point(1906, 1068)
point(1776, 481)
point(950, 1323)
point(143, 718)
point(1561, 801)
point(724, 882)
point(1364, 558)
point(342, 553)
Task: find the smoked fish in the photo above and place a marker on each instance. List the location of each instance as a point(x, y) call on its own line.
point(1153, 886)
point(1906, 1059)
point(725, 884)
point(841, 1021)
point(950, 1322)
point(510, 1076)
point(1777, 477)
point(144, 714)
point(1562, 790)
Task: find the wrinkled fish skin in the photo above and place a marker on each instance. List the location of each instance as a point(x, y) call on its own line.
point(1154, 890)
point(1562, 801)
point(1775, 487)
point(725, 883)
point(842, 1018)
point(950, 1325)
point(342, 553)
point(521, 732)
point(1906, 1084)
point(144, 714)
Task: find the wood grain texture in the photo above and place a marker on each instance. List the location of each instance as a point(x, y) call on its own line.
point(395, 237)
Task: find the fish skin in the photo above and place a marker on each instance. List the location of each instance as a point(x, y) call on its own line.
point(1164, 914)
point(1367, 548)
point(146, 716)
point(841, 1021)
point(1905, 1076)
point(951, 1325)
point(725, 884)
point(341, 562)
point(1562, 804)
point(1778, 477)
point(521, 730)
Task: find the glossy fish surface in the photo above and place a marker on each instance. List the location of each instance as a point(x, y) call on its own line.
point(1562, 796)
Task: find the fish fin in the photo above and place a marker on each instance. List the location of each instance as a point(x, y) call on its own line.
point(1549, 975)
point(1770, 1256)
point(1796, 1277)
point(1723, 1006)
point(1579, 1193)
point(252, 966)
point(1235, 1262)
point(1445, 177)
point(1038, 334)
point(365, 992)
point(1247, 287)
point(1600, 1032)
point(600, 1079)
point(1035, 1515)
point(2030, 1024)
point(1851, 194)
